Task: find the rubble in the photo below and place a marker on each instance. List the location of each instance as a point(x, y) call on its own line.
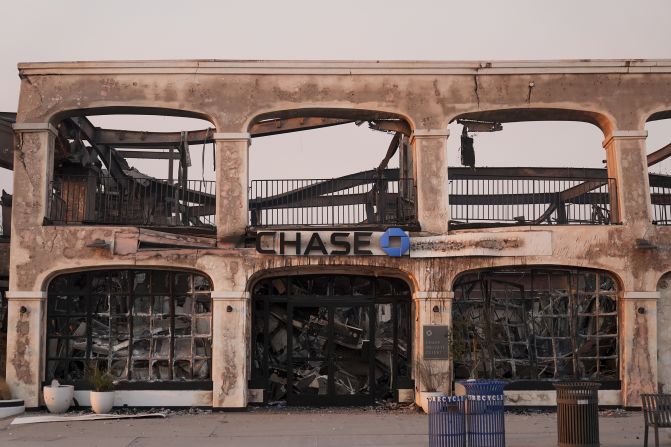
point(328, 339)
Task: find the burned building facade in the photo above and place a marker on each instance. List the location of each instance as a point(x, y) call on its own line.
point(383, 284)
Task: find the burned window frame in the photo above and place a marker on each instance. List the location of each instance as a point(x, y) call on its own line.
point(527, 316)
point(76, 300)
point(332, 291)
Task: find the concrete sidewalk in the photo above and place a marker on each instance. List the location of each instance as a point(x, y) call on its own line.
point(297, 428)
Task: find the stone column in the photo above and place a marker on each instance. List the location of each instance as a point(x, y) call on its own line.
point(232, 161)
point(25, 340)
point(229, 349)
point(431, 308)
point(430, 162)
point(628, 165)
point(638, 338)
point(33, 172)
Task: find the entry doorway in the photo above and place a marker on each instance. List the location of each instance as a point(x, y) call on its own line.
point(331, 339)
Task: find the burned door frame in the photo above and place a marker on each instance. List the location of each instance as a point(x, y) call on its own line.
point(266, 294)
point(532, 321)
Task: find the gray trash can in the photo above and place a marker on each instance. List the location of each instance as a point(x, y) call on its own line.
point(578, 414)
point(447, 421)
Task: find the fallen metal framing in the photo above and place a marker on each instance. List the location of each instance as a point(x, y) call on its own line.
point(536, 324)
point(481, 197)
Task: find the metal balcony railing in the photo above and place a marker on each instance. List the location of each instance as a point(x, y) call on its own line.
point(660, 196)
point(483, 201)
point(332, 202)
point(95, 200)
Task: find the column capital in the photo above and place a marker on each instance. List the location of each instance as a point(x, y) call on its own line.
point(232, 136)
point(653, 296)
point(35, 127)
point(419, 134)
point(221, 295)
point(439, 295)
point(23, 295)
point(625, 135)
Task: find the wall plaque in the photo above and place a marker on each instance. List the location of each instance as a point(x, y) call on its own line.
point(436, 342)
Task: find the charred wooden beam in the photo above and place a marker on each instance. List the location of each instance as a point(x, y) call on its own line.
point(526, 173)
point(336, 200)
point(659, 155)
point(279, 126)
point(526, 199)
point(149, 140)
point(327, 186)
point(6, 145)
point(660, 181)
point(391, 150)
point(162, 140)
point(391, 126)
point(150, 155)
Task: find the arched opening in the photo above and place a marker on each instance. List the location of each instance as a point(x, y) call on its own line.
point(330, 167)
point(658, 151)
point(148, 328)
point(529, 167)
point(140, 167)
point(533, 325)
point(331, 339)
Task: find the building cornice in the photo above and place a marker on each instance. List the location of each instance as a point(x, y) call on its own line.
point(251, 67)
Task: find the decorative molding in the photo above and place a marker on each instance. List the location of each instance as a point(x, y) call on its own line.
point(625, 135)
point(441, 295)
point(641, 295)
point(347, 68)
point(230, 296)
point(30, 295)
point(231, 136)
point(419, 134)
point(35, 127)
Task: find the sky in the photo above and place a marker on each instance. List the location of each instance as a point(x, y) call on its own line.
point(70, 30)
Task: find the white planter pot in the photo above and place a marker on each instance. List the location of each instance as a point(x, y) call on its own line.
point(11, 407)
point(58, 398)
point(102, 401)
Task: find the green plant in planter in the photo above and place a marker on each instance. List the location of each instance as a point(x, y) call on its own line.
point(100, 380)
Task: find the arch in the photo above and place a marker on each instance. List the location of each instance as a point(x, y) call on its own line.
point(343, 339)
point(375, 271)
point(604, 122)
point(51, 275)
point(142, 325)
point(126, 109)
point(618, 279)
point(536, 324)
point(345, 113)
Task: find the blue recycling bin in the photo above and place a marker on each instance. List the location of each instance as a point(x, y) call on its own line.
point(447, 421)
point(485, 413)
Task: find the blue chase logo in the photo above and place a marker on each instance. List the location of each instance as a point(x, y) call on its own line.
point(395, 242)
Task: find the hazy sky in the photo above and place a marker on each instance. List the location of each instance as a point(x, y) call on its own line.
point(68, 30)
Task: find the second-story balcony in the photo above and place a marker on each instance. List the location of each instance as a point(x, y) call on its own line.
point(492, 197)
point(362, 200)
point(136, 200)
point(489, 197)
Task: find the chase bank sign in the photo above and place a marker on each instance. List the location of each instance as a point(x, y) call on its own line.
point(394, 242)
